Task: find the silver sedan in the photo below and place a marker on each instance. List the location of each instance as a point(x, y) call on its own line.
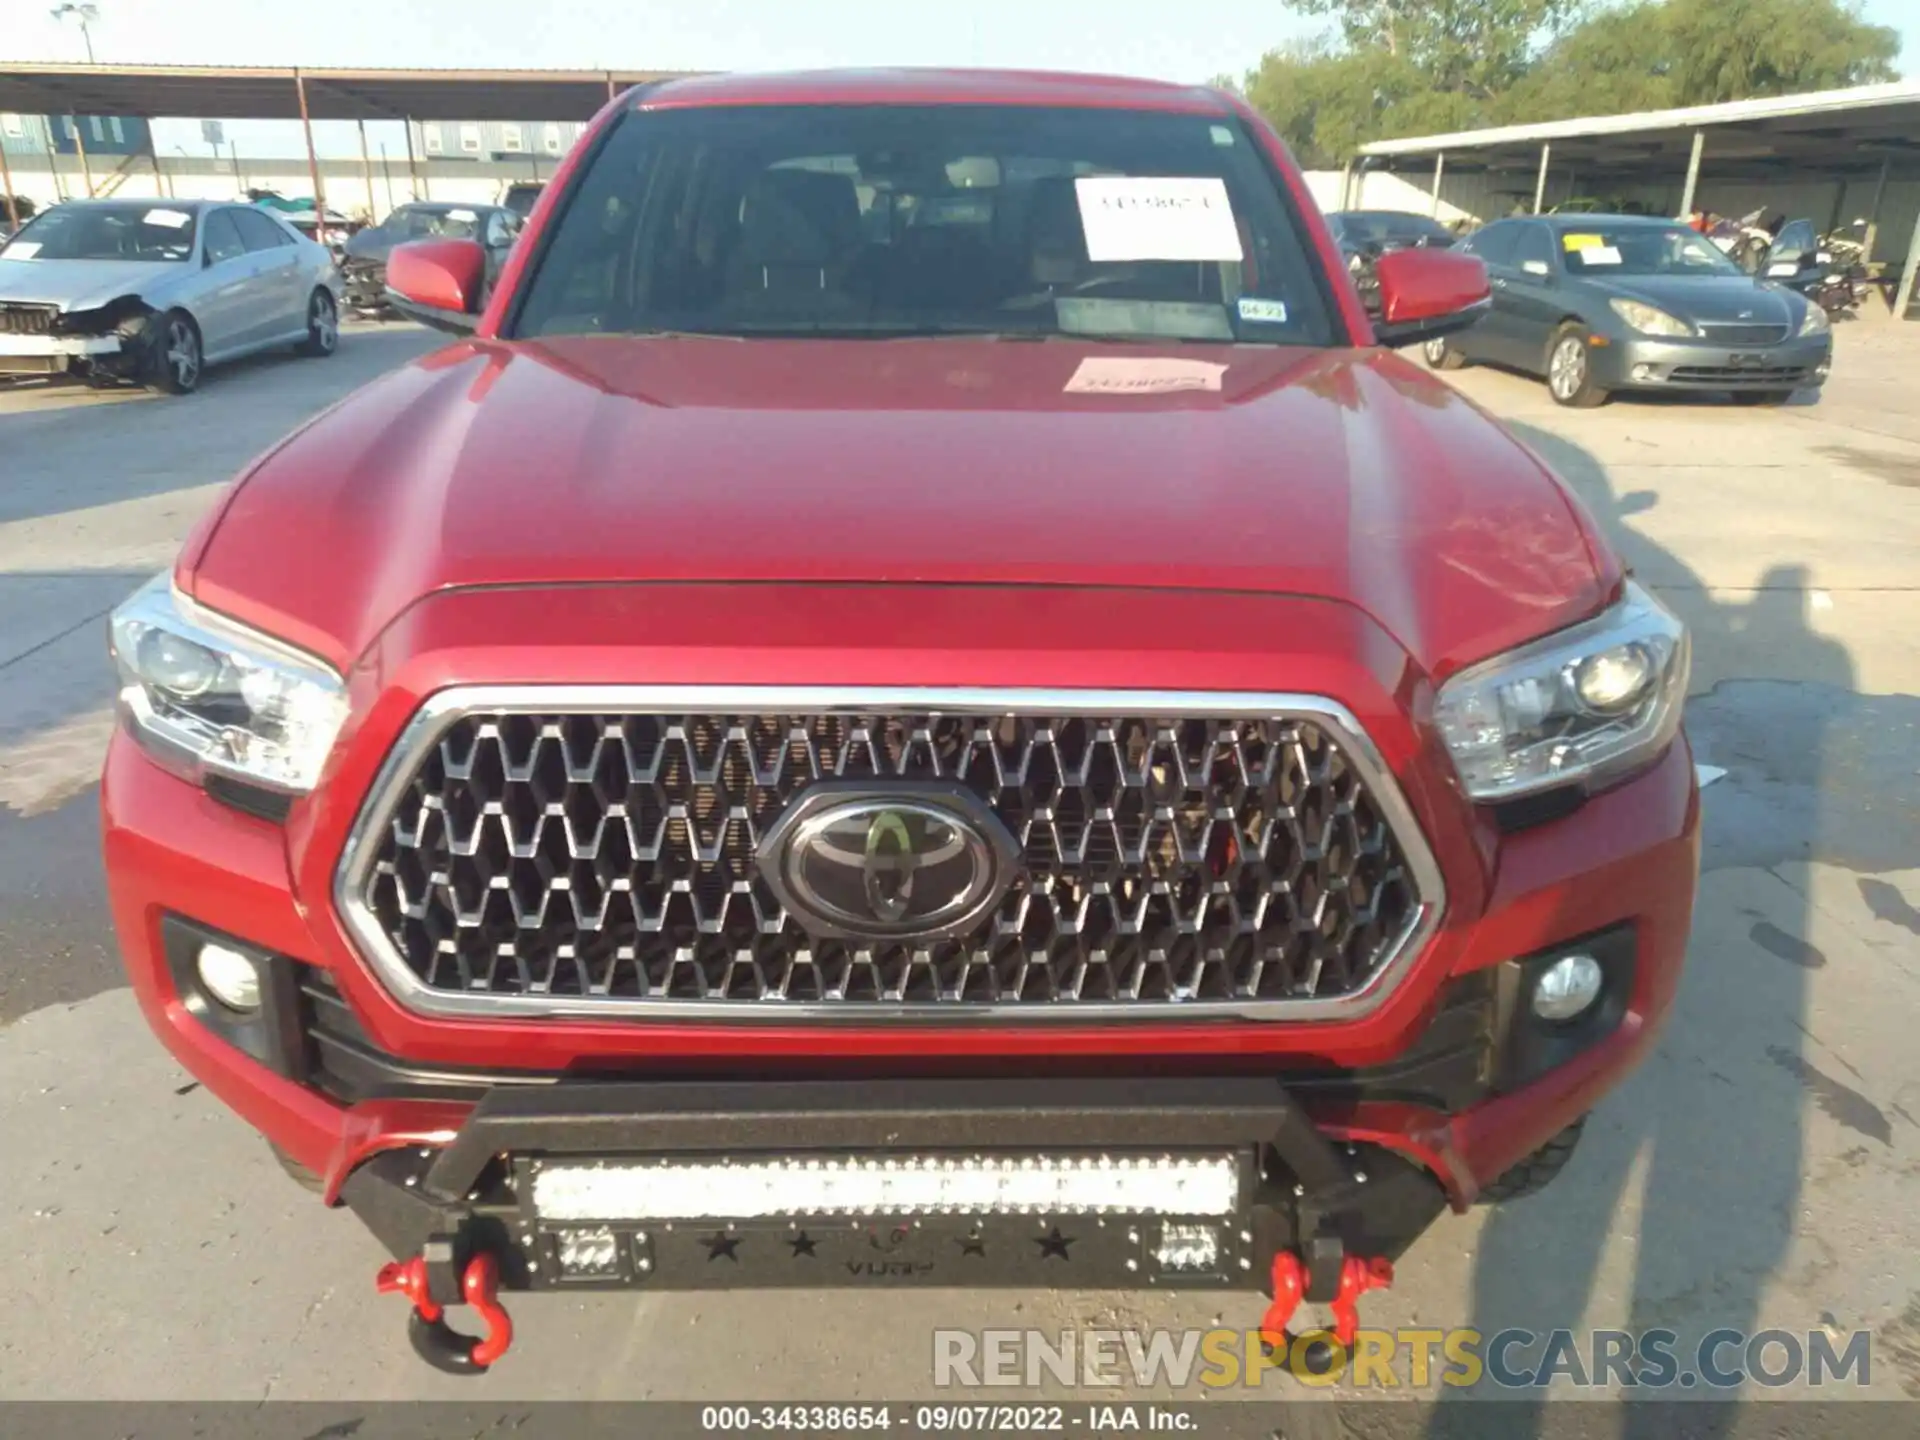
point(155, 291)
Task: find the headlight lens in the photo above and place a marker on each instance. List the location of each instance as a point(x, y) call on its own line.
point(1582, 704)
point(210, 694)
point(1815, 321)
point(1648, 320)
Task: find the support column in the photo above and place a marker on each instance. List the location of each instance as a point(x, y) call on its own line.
point(313, 160)
point(386, 173)
point(1873, 211)
point(414, 177)
point(6, 187)
point(80, 145)
point(161, 184)
point(1693, 173)
point(611, 92)
point(366, 170)
point(1346, 186)
point(1903, 300)
point(1540, 181)
point(1439, 173)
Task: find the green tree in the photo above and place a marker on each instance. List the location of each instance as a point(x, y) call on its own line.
point(1649, 55)
point(1407, 67)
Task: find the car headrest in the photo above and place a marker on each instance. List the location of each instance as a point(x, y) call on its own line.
point(798, 217)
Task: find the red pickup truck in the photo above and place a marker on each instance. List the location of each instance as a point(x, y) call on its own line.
point(919, 698)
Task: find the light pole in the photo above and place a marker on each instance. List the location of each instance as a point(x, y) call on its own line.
point(86, 13)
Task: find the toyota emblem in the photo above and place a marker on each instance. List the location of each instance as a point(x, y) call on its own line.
point(877, 862)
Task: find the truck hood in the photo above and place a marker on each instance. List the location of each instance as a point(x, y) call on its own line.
point(1340, 474)
point(81, 284)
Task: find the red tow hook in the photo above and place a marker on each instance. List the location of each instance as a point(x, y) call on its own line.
point(433, 1339)
point(1357, 1276)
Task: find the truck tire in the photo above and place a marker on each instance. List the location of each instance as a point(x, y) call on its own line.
point(1534, 1173)
point(302, 1176)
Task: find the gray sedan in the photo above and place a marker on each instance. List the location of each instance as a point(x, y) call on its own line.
point(155, 291)
point(1599, 303)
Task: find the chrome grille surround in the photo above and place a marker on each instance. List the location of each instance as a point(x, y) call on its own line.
point(1304, 743)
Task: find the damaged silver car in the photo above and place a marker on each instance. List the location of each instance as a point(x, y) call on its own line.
point(154, 291)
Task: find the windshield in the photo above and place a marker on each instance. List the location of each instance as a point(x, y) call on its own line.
point(1601, 251)
point(410, 224)
point(104, 232)
point(895, 220)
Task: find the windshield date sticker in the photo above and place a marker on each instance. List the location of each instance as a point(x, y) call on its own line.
point(23, 249)
point(1144, 217)
point(1145, 375)
point(1256, 311)
point(169, 219)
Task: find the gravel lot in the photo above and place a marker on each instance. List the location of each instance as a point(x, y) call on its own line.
point(1759, 1172)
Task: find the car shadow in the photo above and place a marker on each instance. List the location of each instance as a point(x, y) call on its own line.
point(1695, 1166)
point(65, 446)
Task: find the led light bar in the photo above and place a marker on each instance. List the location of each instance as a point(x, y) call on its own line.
point(911, 1185)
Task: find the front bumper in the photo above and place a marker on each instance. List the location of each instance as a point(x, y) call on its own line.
point(1290, 1184)
point(53, 354)
point(363, 287)
point(1644, 363)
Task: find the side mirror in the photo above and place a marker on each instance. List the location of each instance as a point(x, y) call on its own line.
point(438, 282)
point(1428, 293)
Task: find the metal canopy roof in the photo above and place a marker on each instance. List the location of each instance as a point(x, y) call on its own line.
point(1837, 131)
point(268, 93)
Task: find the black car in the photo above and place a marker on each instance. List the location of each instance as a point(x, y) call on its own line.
point(365, 267)
point(1365, 235)
point(1594, 304)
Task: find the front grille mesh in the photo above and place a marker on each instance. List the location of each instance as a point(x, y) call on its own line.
point(1738, 334)
point(17, 318)
point(1181, 859)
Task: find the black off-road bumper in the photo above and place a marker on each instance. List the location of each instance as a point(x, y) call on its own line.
point(1296, 1190)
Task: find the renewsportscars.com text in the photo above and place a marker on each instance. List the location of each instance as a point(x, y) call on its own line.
point(1413, 1359)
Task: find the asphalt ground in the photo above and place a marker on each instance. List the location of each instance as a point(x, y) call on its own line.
point(1758, 1172)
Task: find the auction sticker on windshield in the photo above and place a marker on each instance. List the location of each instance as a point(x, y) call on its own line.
point(23, 249)
point(1574, 243)
point(170, 219)
point(1145, 217)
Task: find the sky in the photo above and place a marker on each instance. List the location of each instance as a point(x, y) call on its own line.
point(1155, 38)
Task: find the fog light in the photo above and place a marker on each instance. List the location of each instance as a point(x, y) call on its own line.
point(588, 1252)
point(1643, 372)
point(1567, 987)
point(229, 977)
point(1188, 1247)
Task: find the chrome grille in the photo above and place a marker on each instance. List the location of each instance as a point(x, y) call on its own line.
point(1732, 334)
point(21, 319)
point(598, 858)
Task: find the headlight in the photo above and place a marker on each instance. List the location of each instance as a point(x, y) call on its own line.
point(1590, 701)
point(1648, 320)
point(1815, 321)
point(210, 694)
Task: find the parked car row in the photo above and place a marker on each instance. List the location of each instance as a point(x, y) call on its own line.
point(1595, 304)
point(155, 291)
